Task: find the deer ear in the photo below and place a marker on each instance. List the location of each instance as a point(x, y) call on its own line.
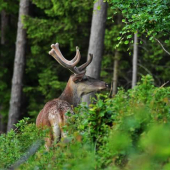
point(78, 77)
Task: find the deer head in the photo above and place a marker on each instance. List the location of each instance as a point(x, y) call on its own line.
point(79, 84)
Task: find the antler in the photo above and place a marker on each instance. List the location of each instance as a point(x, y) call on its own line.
point(71, 65)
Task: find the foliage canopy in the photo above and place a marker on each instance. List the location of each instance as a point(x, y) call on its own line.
point(150, 17)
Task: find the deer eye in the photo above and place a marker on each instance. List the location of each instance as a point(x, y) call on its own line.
point(85, 78)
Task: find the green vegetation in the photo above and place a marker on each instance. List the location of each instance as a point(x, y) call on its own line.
point(129, 131)
point(150, 17)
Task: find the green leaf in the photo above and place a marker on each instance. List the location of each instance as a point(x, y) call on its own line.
point(126, 42)
point(123, 20)
point(124, 11)
point(118, 38)
point(129, 36)
point(167, 41)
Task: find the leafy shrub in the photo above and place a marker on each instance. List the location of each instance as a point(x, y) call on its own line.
point(129, 131)
point(16, 142)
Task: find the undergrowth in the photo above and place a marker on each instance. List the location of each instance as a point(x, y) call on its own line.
point(129, 131)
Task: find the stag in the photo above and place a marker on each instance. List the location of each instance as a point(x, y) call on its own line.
point(53, 115)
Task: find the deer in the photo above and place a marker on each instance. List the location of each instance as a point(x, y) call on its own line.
point(53, 115)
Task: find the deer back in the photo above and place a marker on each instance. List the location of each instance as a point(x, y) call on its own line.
point(53, 112)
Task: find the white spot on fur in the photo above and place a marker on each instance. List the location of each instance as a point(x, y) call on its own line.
point(54, 120)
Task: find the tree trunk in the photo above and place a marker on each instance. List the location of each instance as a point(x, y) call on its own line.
point(4, 24)
point(116, 64)
point(115, 73)
point(96, 42)
point(17, 80)
point(135, 59)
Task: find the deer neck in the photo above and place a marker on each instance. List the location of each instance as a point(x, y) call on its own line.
point(70, 94)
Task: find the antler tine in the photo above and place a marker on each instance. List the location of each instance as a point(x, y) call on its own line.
point(83, 66)
point(71, 63)
point(54, 55)
point(73, 69)
point(77, 53)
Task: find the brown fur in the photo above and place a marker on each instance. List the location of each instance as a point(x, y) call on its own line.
point(57, 109)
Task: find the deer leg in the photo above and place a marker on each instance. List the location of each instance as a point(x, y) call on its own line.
point(48, 141)
point(63, 134)
point(64, 137)
point(56, 132)
point(54, 121)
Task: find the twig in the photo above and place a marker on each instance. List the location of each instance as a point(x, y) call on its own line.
point(164, 84)
point(144, 68)
point(162, 46)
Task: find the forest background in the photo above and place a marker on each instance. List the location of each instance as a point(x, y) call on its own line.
point(126, 128)
point(46, 23)
point(69, 24)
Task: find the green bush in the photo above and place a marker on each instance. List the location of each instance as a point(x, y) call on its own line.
point(129, 131)
point(17, 142)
